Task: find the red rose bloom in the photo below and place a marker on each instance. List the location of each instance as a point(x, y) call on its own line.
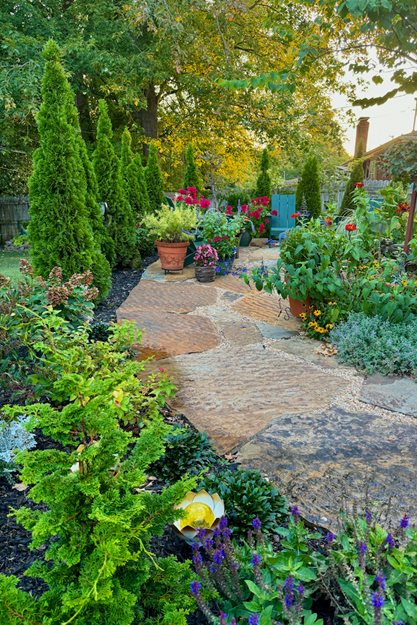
point(182, 192)
point(274, 212)
point(261, 228)
point(204, 203)
point(229, 210)
point(244, 208)
point(359, 184)
point(350, 227)
point(189, 200)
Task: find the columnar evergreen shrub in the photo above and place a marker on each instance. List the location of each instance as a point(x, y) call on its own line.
point(120, 219)
point(191, 175)
point(263, 183)
point(60, 231)
point(309, 188)
point(154, 181)
point(134, 177)
point(97, 519)
point(357, 175)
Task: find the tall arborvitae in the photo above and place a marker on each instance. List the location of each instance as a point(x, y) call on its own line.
point(134, 177)
point(263, 183)
point(154, 181)
point(309, 188)
point(356, 175)
point(191, 175)
point(60, 230)
point(119, 216)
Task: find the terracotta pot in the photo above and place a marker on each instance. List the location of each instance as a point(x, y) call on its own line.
point(205, 274)
point(297, 306)
point(172, 255)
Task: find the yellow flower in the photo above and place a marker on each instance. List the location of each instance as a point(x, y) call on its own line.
point(312, 324)
point(376, 263)
point(332, 303)
point(329, 326)
point(415, 281)
point(404, 282)
point(303, 316)
point(317, 313)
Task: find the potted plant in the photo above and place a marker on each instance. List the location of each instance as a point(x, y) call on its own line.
point(222, 234)
point(173, 228)
point(206, 258)
point(189, 196)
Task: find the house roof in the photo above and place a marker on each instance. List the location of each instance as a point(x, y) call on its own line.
point(381, 148)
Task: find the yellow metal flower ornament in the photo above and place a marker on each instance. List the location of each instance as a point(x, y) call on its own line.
point(201, 511)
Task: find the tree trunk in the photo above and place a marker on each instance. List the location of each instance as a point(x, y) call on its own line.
point(148, 117)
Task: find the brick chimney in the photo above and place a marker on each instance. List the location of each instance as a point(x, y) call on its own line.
point(362, 130)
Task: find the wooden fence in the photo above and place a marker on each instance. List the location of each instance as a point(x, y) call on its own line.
point(14, 216)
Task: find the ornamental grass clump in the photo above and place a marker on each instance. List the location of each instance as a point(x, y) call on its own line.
point(94, 514)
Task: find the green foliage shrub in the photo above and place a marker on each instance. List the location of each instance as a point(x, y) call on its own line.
point(357, 175)
point(26, 302)
point(375, 345)
point(145, 242)
point(60, 231)
point(186, 451)
point(308, 188)
point(154, 180)
point(192, 176)
point(246, 495)
point(112, 191)
point(263, 183)
point(97, 519)
point(134, 177)
point(171, 225)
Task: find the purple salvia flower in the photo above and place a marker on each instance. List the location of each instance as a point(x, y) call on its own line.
point(378, 604)
point(295, 513)
point(362, 549)
point(197, 559)
point(330, 537)
point(218, 556)
point(201, 532)
point(209, 545)
point(213, 569)
point(256, 559)
point(405, 521)
point(289, 592)
point(223, 617)
point(233, 621)
point(368, 517)
point(254, 619)
point(223, 522)
point(380, 580)
point(195, 588)
point(390, 541)
point(256, 524)
point(300, 589)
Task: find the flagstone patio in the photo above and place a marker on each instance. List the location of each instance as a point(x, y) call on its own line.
point(248, 377)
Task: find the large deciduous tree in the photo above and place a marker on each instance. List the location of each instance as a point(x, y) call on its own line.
point(60, 229)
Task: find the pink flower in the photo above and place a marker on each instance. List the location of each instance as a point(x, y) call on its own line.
point(192, 190)
point(188, 200)
point(179, 199)
point(244, 208)
point(274, 212)
point(267, 221)
point(261, 228)
point(229, 210)
point(204, 203)
point(182, 192)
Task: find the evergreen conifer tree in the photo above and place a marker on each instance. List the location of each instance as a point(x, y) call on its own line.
point(60, 230)
point(356, 175)
point(263, 183)
point(154, 181)
point(120, 219)
point(134, 177)
point(309, 188)
point(191, 176)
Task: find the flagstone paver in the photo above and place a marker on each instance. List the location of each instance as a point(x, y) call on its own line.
point(234, 393)
point(397, 394)
point(247, 378)
point(320, 457)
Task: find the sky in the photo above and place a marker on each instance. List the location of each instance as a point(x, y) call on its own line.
point(388, 120)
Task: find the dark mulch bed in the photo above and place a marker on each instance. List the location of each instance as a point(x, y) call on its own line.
point(123, 281)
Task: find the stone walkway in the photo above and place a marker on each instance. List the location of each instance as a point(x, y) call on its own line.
point(247, 377)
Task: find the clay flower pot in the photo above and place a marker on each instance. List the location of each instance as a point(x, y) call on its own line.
point(172, 255)
point(205, 274)
point(297, 306)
